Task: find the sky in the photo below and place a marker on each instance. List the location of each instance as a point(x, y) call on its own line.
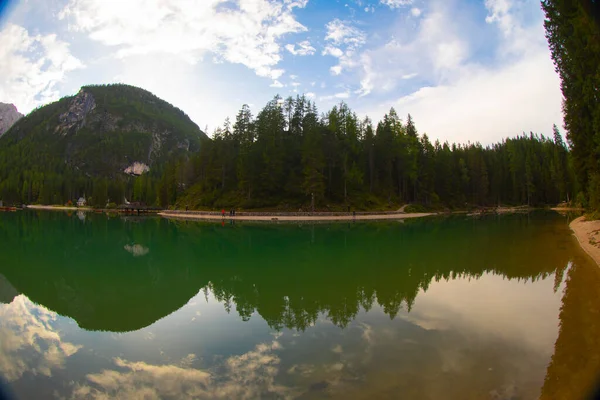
point(466, 70)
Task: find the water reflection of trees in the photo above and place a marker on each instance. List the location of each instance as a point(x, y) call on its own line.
point(288, 274)
point(574, 370)
point(387, 266)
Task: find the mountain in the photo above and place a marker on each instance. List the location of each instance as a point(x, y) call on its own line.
point(94, 143)
point(8, 116)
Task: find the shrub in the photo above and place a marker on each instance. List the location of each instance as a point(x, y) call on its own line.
point(580, 200)
point(415, 208)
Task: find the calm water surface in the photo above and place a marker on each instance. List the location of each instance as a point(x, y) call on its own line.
point(440, 308)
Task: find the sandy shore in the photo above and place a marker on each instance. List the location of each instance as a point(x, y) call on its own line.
point(291, 218)
point(588, 235)
point(511, 210)
point(58, 208)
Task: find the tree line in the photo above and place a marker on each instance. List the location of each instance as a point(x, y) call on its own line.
point(573, 33)
point(290, 156)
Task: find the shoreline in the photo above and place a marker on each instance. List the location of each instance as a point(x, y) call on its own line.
point(291, 218)
point(88, 209)
point(58, 208)
point(587, 234)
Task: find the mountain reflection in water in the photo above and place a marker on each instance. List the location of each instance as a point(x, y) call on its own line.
point(288, 274)
point(461, 298)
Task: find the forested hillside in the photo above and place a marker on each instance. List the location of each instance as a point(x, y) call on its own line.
point(573, 33)
point(113, 142)
point(289, 153)
point(93, 144)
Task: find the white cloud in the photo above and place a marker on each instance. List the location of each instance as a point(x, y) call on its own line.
point(276, 84)
point(396, 3)
point(248, 34)
point(366, 83)
point(340, 32)
point(332, 51)
point(416, 12)
point(339, 96)
point(32, 67)
point(499, 12)
point(346, 41)
point(310, 95)
point(269, 72)
point(488, 105)
point(440, 40)
point(304, 48)
point(295, 84)
point(296, 3)
point(518, 40)
point(437, 50)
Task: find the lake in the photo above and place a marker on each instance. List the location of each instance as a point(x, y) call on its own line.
point(499, 307)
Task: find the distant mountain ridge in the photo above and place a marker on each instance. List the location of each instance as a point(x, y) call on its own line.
point(64, 149)
point(8, 116)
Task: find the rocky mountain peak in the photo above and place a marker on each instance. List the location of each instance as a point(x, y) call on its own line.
point(8, 116)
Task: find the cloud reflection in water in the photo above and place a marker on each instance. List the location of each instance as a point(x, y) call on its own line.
point(29, 342)
point(247, 376)
point(137, 250)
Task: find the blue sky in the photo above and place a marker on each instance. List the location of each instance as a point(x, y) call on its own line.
point(465, 69)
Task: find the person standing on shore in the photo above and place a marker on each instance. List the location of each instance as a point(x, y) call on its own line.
point(223, 213)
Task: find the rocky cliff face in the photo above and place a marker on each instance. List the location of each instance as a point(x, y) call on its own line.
point(80, 107)
point(8, 116)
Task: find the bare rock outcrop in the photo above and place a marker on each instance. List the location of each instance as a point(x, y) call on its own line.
point(75, 116)
point(136, 169)
point(8, 116)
